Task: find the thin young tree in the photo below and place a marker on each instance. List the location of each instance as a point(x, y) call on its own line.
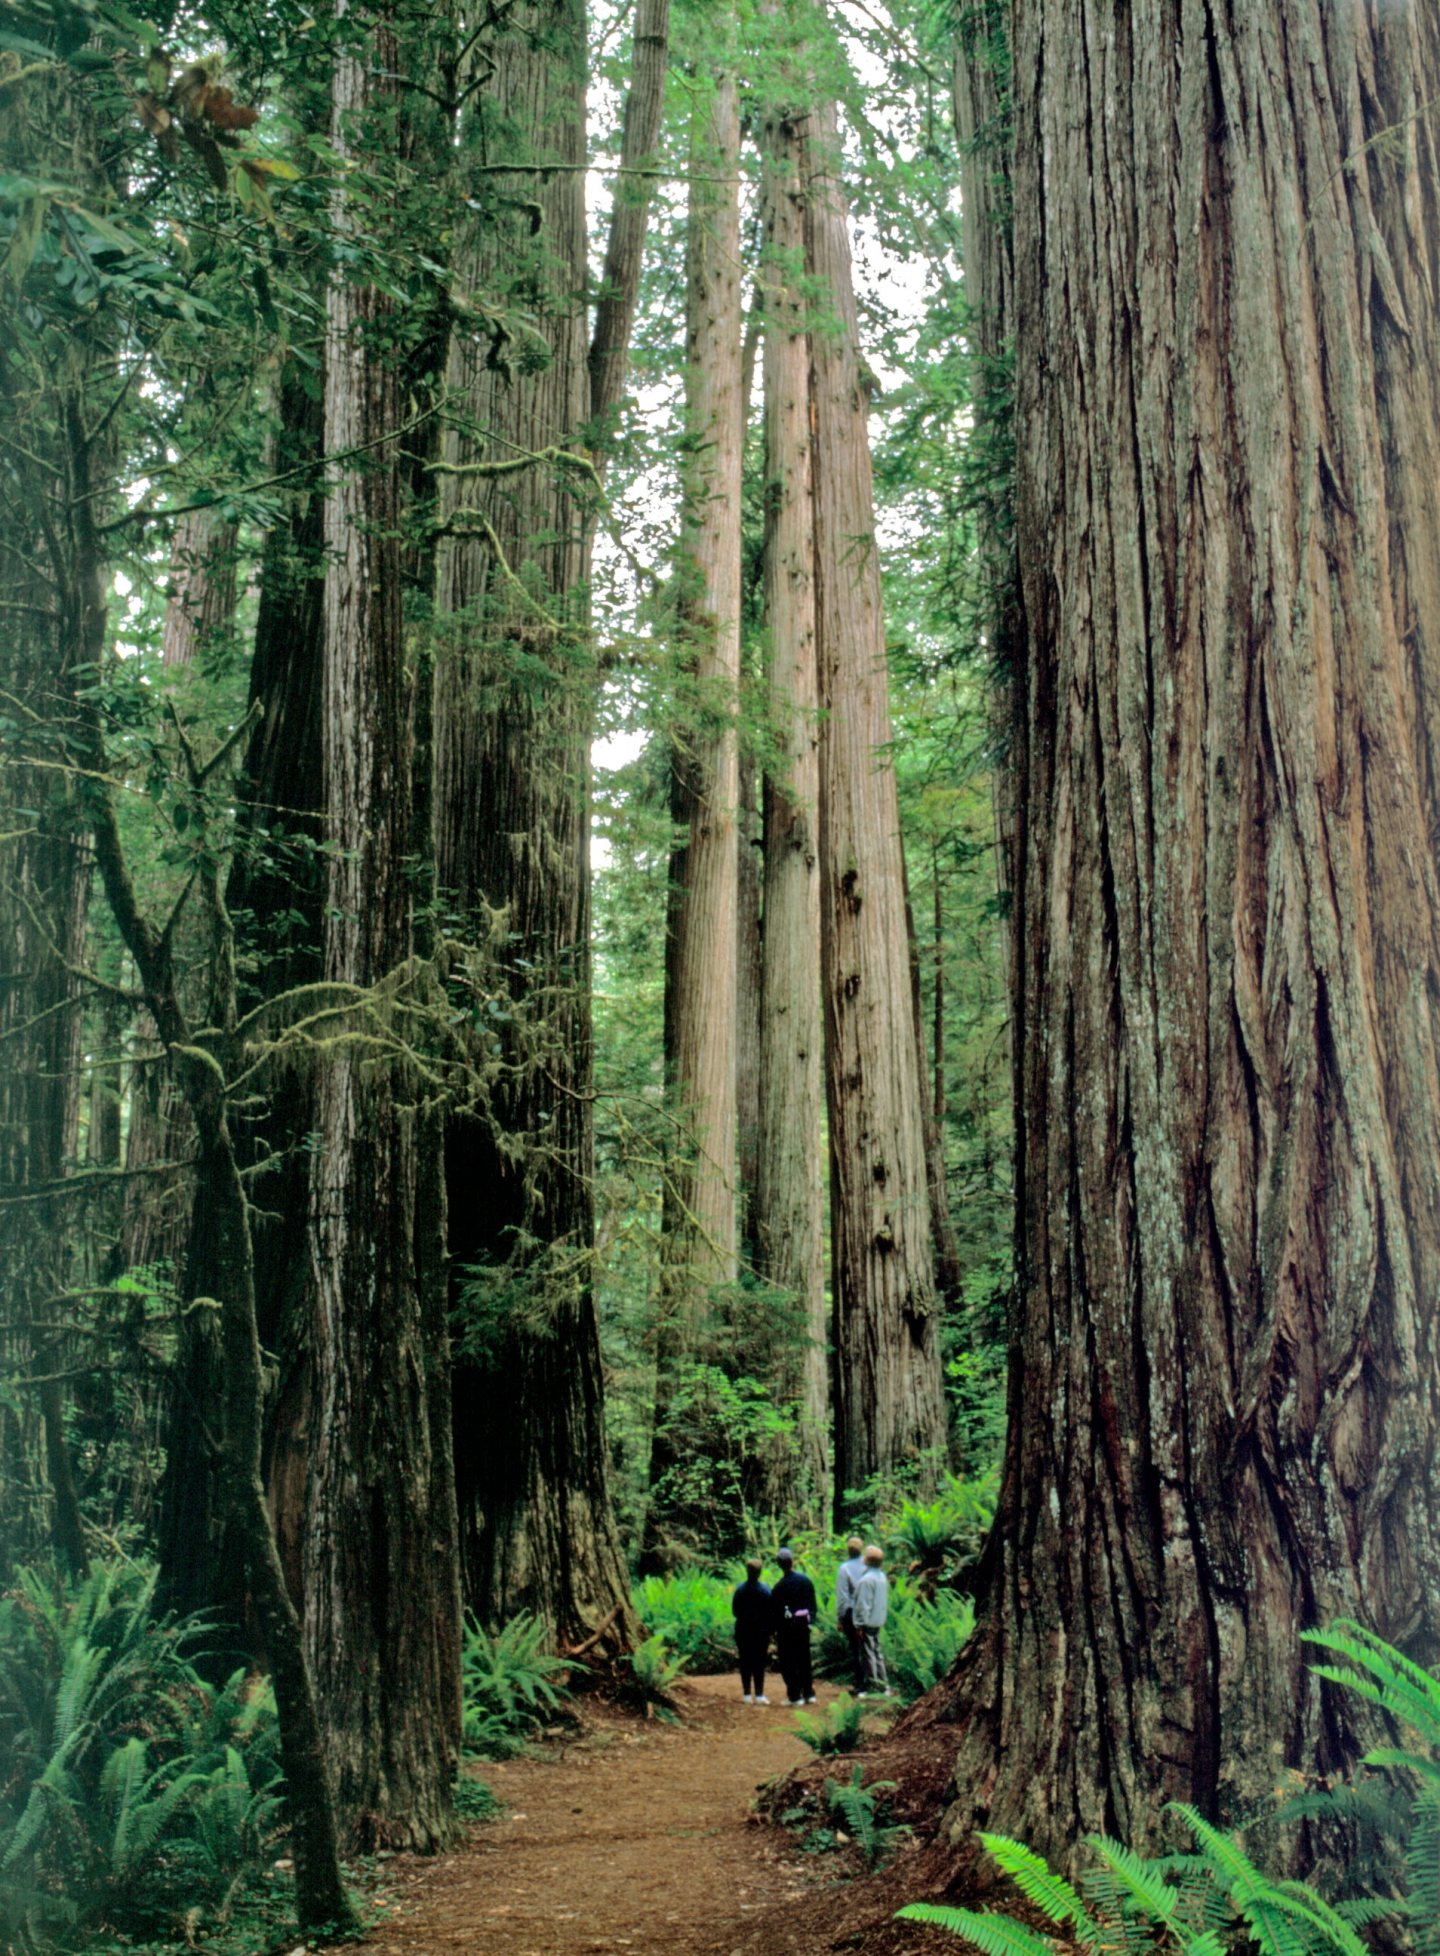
point(1227, 929)
point(889, 1409)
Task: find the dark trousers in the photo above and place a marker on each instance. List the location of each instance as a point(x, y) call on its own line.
point(857, 1651)
point(792, 1654)
point(753, 1652)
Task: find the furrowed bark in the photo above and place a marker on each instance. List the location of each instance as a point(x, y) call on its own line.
point(379, 1570)
point(790, 1216)
point(889, 1411)
point(514, 712)
point(700, 1249)
point(1227, 950)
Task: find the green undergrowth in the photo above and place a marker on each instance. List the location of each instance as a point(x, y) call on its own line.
point(1214, 1894)
point(514, 1684)
point(137, 1798)
point(923, 1636)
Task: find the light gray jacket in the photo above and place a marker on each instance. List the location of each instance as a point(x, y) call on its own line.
point(846, 1577)
point(872, 1600)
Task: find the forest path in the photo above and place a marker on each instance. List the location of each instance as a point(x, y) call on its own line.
point(635, 1839)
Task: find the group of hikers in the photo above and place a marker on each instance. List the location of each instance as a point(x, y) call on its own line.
point(788, 1613)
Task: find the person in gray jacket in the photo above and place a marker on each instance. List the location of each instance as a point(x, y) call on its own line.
point(871, 1607)
point(846, 1577)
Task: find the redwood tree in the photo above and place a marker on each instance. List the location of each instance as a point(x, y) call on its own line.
point(1224, 1378)
point(514, 708)
point(381, 1601)
point(788, 1201)
point(889, 1409)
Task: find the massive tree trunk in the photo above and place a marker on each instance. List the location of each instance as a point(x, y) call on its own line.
point(889, 1410)
point(789, 1199)
point(513, 716)
point(381, 1600)
point(1224, 1381)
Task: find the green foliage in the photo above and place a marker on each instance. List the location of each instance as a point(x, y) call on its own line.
point(1200, 1903)
point(475, 1801)
point(839, 1728)
point(654, 1669)
point(1397, 1800)
point(132, 1789)
point(691, 1612)
point(953, 1524)
point(922, 1638)
point(513, 1682)
point(862, 1811)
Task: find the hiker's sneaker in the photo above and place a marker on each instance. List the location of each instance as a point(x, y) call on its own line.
point(762, 1699)
point(748, 1699)
point(810, 1701)
point(795, 1704)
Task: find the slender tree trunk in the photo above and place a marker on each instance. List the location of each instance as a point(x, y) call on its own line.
point(749, 965)
point(700, 1248)
point(513, 718)
point(701, 1212)
point(201, 605)
point(889, 1411)
point(1227, 945)
point(379, 1569)
point(949, 1274)
point(790, 1215)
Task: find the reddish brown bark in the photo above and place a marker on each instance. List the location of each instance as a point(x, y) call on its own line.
point(889, 1411)
point(1227, 946)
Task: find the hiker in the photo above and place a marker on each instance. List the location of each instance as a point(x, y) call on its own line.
point(794, 1608)
point(872, 1605)
point(846, 1577)
point(751, 1608)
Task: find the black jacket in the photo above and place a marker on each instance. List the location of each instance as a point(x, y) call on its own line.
point(750, 1606)
point(793, 1602)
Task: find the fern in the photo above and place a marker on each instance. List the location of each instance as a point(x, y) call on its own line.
point(860, 1807)
point(513, 1683)
point(838, 1729)
point(992, 1935)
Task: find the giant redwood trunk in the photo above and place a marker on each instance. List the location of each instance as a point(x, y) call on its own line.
point(515, 683)
point(1225, 1376)
point(788, 1199)
point(381, 1601)
point(889, 1410)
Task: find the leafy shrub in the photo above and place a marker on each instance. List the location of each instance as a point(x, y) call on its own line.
point(1199, 1903)
point(861, 1809)
point(513, 1682)
point(936, 1533)
point(839, 1728)
point(691, 1612)
point(655, 1669)
point(923, 1636)
point(131, 1788)
point(474, 1800)
point(1216, 1897)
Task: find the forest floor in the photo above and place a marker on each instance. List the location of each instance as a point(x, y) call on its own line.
point(640, 1837)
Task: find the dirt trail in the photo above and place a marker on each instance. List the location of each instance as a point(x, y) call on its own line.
point(635, 1839)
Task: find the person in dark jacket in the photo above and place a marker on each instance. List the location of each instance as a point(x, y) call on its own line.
point(751, 1608)
point(794, 1605)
